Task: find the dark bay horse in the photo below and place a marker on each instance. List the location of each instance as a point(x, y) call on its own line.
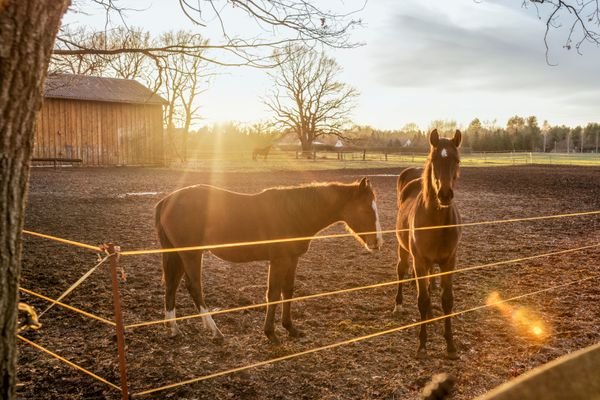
point(261, 151)
point(206, 215)
point(425, 199)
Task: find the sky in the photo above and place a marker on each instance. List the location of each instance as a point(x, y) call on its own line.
point(422, 60)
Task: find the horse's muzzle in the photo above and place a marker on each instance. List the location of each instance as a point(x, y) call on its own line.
point(374, 243)
point(445, 197)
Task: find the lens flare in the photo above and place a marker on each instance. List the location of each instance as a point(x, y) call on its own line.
point(524, 320)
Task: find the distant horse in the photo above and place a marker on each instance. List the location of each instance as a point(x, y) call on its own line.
point(261, 151)
point(425, 199)
point(206, 215)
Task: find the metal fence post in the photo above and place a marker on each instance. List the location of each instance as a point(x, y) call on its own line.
point(114, 261)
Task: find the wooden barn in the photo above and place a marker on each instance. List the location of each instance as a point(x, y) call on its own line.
point(99, 121)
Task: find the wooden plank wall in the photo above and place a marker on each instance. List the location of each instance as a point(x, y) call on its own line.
point(100, 133)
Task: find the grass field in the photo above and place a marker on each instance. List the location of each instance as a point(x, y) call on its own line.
point(287, 161)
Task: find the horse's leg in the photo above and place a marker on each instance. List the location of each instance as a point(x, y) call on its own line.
point(424, 301)
point(192, 261)
point(274, 285)
point(447, 304)
point(433, 286)
point(172, 272)
point(432, 281)
point(288, 292)
point(401, 269)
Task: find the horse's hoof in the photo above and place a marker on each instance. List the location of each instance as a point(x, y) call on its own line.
point(273, 338)
point(174, 332)
point(421, 354)
point(452, 355)
point(218, 339)
point(295, 333)
point(397, 310)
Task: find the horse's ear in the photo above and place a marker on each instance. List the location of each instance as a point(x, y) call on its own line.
point(457, 138)
point(434, 138)
point(364, 183)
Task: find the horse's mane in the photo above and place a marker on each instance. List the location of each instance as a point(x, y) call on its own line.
point(427, 185)
point(311, 196)
point(313, 189)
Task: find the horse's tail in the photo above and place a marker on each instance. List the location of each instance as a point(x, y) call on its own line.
point(169, 260)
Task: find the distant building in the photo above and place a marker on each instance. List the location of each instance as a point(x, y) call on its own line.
point(102, 121)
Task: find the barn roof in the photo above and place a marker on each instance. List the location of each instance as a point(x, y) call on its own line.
point(94, 88)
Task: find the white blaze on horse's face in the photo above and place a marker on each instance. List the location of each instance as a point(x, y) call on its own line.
point(444, 172)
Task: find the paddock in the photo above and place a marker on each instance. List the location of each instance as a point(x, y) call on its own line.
point(118, 207)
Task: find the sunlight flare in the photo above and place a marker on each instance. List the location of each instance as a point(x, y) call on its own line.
point(523, 319)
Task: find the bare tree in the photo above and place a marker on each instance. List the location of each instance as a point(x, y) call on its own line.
point(79, 63)
point(130, 65)
point(27, 32)
point(122, 65)
point(182, 77)
point(307, 97)
point(579, 18)
point(280, 23)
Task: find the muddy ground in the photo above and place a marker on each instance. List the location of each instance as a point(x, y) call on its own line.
point(96, 205)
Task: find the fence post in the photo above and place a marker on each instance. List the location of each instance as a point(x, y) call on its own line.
point(114, 261)
point(364, 154)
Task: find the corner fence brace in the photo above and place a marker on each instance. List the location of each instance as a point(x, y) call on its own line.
point(114, 264)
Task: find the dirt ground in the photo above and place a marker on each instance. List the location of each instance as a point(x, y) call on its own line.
point(116, 204)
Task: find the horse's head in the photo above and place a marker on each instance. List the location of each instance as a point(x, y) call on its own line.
point(361, 216)
point(444, 159)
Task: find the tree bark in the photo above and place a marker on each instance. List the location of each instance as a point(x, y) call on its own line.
point(27, 32)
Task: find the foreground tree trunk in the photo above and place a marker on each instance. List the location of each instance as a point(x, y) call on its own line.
point(27, 32)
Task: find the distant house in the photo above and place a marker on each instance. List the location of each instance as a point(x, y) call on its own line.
point(102, 121)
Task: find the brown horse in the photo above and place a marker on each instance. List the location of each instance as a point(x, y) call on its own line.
point(425, 199)
point(261, 151)
point(206, 215)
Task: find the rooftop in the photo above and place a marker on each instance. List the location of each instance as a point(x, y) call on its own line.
point(94, 88)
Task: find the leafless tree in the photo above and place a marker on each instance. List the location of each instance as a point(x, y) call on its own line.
point(307, 97)
point(182, 77)
point(27, 32)
point(280, 23)
point(578, 19)
point(80, 63)
point(130, 65)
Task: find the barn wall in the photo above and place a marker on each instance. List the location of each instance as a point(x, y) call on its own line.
point(100, 133)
